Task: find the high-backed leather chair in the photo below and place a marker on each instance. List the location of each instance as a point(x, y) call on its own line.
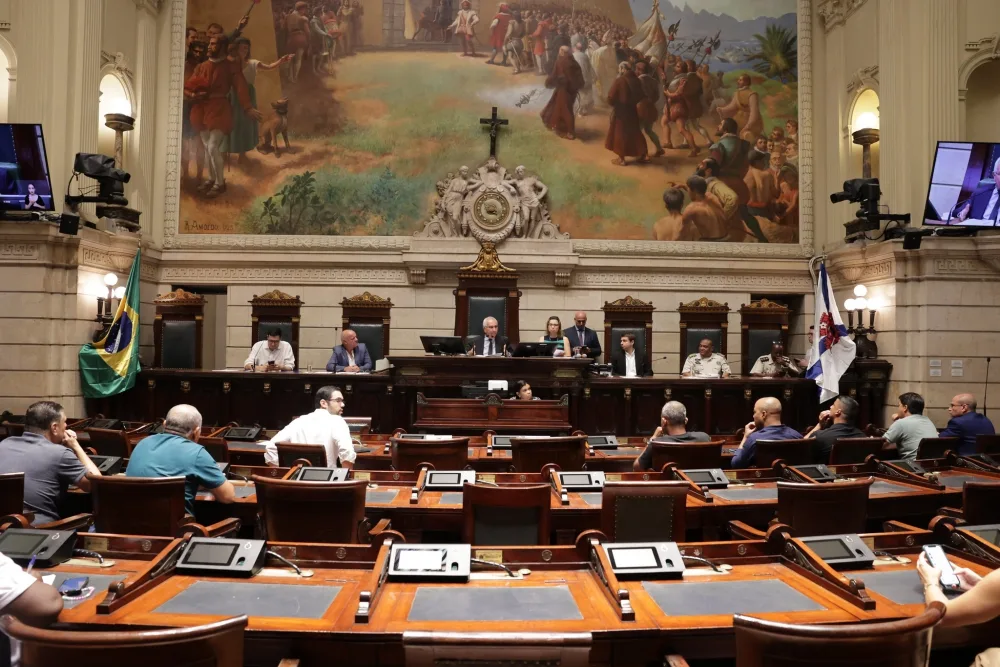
point(532, 454)
point(370, 316)
point(854, 450)
point(762, 323)
point(934, 448)
point(824, 509)
point(487, 288)
point(628, 315)
point(218, 644)
point(687, 455)
point(291, 452)
point(988, 444)
point(506, 515)
point(981, 503)
point(147, 506)
point(107, 442)
point(327, 512)
point(700, 319)
point(178, 330)
point(644, 511)
point(793, 452)
point(13, 513)
point(452, 454)
point(904, 643)
point(276, 310)
point(217, 448)
point(549, 649)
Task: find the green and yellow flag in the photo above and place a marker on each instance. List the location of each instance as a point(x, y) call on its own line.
point(109, 366)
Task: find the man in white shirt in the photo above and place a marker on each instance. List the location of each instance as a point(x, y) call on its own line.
point(323, 426)
point(629, 364)
point(26, 599)
point(271, 354)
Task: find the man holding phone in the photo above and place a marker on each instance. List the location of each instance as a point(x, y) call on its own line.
point(271, 354)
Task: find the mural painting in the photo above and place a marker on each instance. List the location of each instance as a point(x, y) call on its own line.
point(642, 119)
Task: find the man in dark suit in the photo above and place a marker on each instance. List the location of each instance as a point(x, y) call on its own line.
point(580, 336)
point(351, 356)
point(965, 423)
point(984, 203)
point(630, 364)
point(490, 344)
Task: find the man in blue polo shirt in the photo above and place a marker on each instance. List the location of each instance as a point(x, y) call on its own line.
point(965, 423)
point(176, 453)
point(766, 425)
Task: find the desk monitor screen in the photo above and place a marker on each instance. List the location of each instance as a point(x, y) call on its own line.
point(819, 472)
point(48, 547)
point(442, 344)
point(633, 557)
point(421, 560)
point(575, 479)
point(911, 466)
point(311, 474)
point(539, 349)
point(963, 181)
point(23, 545)
point(242, 433)
point(108, 465)
point(700, 476)
point(24, 169)
point(503, 441)
point(841, 551)
point(603, 441)
point(211, 554)
point(108, 424)
point(446, 477)
point(430, 562)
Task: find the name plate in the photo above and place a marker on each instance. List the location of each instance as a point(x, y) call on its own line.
point(489, 555)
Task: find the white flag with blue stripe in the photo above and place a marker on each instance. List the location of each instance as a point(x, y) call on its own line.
point(833, 350)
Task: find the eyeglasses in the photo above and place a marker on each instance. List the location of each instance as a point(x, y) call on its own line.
point(336, 400)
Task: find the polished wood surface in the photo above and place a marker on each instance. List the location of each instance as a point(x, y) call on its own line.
point(450, 454)
point(474, 415)
point(329, 512)
point(824, 509)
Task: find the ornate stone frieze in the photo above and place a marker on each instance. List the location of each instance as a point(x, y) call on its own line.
point(18, 252)
point(285, 275)
point(366, 300)
point(835, 12)
point(793, 283)
point(179, 297)
point(863, 78)
point(275, 298)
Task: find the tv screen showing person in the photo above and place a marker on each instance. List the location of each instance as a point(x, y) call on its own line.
point(965, 185)
point(24, 169)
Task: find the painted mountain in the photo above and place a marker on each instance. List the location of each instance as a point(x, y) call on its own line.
point(703, 23)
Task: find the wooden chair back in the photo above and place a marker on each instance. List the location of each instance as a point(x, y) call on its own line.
point(854, 450)
point(644, 511)
point(451, 454)
point(934, 448)
point(687, 455)
point(520, 515)
point(108, 443)
point(137, 505)
point(216, 447)
point(11, 493)
point(824, 509)
point(981, 503)
point(326, 512)
point(552, 649)
point(532, 454)
point(795, 452)
point(218, 644)
point(290, 452)
point(988, 444)
point(904, 643)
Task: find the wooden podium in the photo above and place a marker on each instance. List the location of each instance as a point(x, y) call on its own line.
point(474, 415)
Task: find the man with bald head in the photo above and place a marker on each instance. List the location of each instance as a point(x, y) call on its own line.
point(176, 453)
point(983, 206)
point(582, 337)
point(491, 343)
point(766, 425)
point(350, 356)
point(965, 423)
point(705, 363)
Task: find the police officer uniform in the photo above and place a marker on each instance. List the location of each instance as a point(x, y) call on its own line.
point(700, 367)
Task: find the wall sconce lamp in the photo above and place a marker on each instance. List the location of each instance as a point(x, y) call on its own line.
point(866, 348)
point(105, 309)
point(865, 136)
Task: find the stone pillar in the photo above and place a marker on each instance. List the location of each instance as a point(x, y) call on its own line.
point(895, 76)
point(143, 144)
point(85, 69)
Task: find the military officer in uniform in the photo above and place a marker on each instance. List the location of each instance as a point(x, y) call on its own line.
point(776, 364)
point(705, 364)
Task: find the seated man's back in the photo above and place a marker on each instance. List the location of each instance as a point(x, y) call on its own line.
point(48, 470)
point(169, 455)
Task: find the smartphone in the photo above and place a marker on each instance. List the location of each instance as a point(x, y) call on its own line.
point(270, 363)
point(74, 586)
point(937, 558)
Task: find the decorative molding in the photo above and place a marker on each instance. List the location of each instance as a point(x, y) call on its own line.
point(851, 274)
point(744, 282)
point(275, 298)
point(629, 304)
point(285, 275)
point(836, 12)
point(562, 278)
point(488, 261)
point(418, 276)
point(171, 200)
point(864, 78)
point(705, 304)
point(366, 300)
point(179, 298)
point(985, 50)
point(151, 6)
point(764, 304)
point(117, 62)
point(947, 266)
point(18, 251)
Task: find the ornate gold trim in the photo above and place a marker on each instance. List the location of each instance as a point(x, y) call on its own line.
point(366, 300)
point(275, 298)
point(705, 304)
point(179, 298)
point(765, 304)
point(488, 261)
point(629, 304)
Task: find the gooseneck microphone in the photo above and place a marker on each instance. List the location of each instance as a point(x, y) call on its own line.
point(986, 384)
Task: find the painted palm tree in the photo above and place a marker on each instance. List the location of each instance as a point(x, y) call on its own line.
point(777, 56)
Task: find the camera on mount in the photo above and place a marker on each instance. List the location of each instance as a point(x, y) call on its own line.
point(111, 192)
point(864, 191)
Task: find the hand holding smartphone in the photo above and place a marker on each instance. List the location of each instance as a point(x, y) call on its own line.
point(938, 560)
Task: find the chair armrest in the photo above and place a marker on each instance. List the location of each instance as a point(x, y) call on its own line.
point(90, 451)
point(674, 661)
point(742, 531)
point(301, 462)
point(379, 527)
point(69, 523)
point(952, 512)
point(289, 662)
point(14, 520)
point(226, 528)
point(899, 527)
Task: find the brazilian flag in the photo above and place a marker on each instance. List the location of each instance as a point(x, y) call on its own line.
point(109, 366)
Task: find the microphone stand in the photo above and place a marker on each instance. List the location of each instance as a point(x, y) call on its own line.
point(986, 384)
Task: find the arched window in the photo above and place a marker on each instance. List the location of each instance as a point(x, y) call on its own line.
point(864, 114)
point(114, 99)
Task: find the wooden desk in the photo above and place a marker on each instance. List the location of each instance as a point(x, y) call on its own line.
point(474, 415)
point(638, 631)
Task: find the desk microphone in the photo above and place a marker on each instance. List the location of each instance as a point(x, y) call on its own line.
point(986, 384)
point(255, 357)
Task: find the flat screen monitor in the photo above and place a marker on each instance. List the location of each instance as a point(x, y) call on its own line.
point(575, 479)
point(316, 474)
point(700, 476)
point(442, 344)
point(633, 557)
point(447, 477)
point(24, 169)
point(14, 544)
point(964, 180)
point(539, 349)
point(421, 560)
point(211, 554)
point(830, 549)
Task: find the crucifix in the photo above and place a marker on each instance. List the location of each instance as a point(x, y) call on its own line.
point(494, 124)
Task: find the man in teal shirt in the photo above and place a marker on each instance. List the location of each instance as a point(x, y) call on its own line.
point(176, 453)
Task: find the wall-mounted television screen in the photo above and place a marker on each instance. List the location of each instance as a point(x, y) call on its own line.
point(965, 185)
